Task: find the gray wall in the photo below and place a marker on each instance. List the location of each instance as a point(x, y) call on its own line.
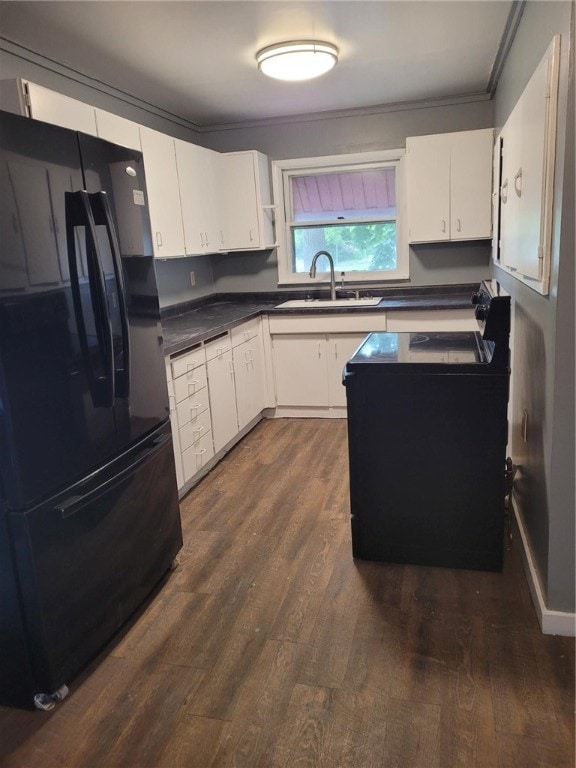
point(543, 381)
point(341, 133)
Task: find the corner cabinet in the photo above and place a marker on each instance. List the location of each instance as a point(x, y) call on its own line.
point(163, 193)
point(525, 174)
point(246, 202)
point(449, 186)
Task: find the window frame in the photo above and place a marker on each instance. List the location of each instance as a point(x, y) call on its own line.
point(283, 170)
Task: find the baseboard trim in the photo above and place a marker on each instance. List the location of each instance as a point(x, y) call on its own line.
point(551, 622)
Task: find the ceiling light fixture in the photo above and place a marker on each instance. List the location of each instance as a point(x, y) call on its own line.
point(297, 59)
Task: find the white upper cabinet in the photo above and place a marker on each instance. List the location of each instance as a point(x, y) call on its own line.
point(449, 186)
point(528, 146)
point(246, 202)
point(118, 129)
point(55, 108)
point(197, 175)
point(163, 194)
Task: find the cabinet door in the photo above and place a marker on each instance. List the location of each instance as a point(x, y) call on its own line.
point(222, 399)
point(163, 193)
point(509, 200)
point(528, 182)
point(471, 185)
point(428, 188)
point(240, 226)
point(340, 348)
point(55, 108)
point(196, 179)
point(118, 130)
point(300, 370)
point(249, 378)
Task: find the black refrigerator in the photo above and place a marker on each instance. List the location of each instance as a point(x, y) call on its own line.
point(89, 519)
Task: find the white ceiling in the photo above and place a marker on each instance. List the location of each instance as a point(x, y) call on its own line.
point(196, 59)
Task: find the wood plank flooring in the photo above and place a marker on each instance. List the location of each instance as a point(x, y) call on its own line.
point(269, 647)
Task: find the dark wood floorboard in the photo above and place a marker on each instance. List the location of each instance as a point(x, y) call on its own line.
point(269, 647)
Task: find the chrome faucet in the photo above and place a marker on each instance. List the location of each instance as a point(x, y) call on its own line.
point(332, 278)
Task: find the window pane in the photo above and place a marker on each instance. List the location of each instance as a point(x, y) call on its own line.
point(354, 247)
point(349, 195)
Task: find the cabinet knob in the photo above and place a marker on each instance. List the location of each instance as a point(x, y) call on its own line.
point(443, 225)
point(518, 183)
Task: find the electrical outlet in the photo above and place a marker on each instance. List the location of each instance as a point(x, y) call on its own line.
point(192, 279)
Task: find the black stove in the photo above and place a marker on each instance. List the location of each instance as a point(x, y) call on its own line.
point(427, 434)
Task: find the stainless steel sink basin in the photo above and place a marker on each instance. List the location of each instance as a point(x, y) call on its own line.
point(363, 301)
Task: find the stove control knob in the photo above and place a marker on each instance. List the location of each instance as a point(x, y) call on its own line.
point(476, 297)
point(481, 312)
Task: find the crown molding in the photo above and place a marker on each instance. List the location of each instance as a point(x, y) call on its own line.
point(376, 109)
point(27, 54)
point(508, 36)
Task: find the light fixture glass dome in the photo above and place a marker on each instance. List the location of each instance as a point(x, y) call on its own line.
point(297, 60)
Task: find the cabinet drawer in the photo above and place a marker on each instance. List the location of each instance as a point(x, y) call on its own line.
point(218, 346)
point(190, 383)
point(245, 332)
point(188, 361)
point(191, 408)
point(197, 456)
point(196, 429)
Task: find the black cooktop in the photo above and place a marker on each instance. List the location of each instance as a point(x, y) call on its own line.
point(463, 347)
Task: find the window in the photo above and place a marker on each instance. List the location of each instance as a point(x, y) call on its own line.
point(348, 205)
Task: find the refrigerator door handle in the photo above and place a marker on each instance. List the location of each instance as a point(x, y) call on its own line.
point(122, 376)
point(74, 503)
point(79, 214)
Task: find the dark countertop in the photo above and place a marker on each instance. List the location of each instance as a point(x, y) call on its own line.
point(188, 324)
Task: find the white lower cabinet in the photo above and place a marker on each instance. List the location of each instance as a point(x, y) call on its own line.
point(197, 456)
point(174, 426)
point(222, 391)
point(190, 413)
point(308, 368)
point(340, 348)
point(249, 371)
point(300, 370)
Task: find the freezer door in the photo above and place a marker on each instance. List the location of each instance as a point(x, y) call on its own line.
point(87, 559)
point(115, 182)
point(56, 423)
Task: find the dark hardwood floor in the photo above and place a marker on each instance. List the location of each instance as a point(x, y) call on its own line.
point(269, 647)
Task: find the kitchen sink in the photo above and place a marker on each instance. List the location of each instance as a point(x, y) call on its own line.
point(364, 301)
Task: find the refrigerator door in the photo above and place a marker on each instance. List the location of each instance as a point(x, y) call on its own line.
point(87, 558)
point(53, 324)
point(116, 186)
